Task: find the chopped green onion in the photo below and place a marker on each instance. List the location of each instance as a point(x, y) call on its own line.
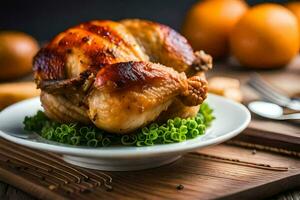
point(145, 131)
point(148, 142)
point(175, 136)
point(83, 130)
point(128, 140)
point(141, 136)
point(174, 130)
point(167, 137)
point(177, 122)
point(194, 133)
point(152, 135)
point(92, 143)
point(153, 126)
point(140, 143)
point(90, 135)
point(75, 140)
point(106, 142)
point(192, 124)
point(182, 138)
point(183, 129)
point(201, 128)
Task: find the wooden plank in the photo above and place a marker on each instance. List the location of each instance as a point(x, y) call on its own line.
point(221, 171)
point(10, 192)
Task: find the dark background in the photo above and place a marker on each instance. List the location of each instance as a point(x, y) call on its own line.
point(45, 18)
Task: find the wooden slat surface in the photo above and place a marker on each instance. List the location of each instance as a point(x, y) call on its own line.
point(222, 171)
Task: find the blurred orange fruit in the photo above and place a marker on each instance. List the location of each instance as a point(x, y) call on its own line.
point(16, 52)
point(267, 36)
point(295, 8)
point(208, 23)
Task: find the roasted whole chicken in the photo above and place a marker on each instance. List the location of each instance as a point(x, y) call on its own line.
point(120, 75)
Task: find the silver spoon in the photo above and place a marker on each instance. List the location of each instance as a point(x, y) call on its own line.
point(271, 111)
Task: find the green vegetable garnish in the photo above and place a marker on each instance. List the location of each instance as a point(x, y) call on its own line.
point(174, 130)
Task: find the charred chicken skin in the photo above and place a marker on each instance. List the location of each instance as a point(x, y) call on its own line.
point(120, 75)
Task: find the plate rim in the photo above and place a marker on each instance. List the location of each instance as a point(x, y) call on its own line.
point(147, 151)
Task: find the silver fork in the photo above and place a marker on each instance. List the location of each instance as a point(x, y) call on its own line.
point(269, 93)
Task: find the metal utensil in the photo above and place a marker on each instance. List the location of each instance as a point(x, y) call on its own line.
point(271, 111)
point(269, 93)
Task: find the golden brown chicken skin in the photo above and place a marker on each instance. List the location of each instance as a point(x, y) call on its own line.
point(128, 95)
point(89, 72)
point(65, 66)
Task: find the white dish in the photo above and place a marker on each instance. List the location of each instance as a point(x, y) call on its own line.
point(231, 119)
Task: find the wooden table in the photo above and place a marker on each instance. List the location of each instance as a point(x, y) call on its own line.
point(10, 192)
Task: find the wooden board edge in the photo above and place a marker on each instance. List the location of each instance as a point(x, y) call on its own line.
point(27, 186)
point(267, 190)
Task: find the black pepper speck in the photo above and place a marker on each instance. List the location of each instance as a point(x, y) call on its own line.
point(180, 187)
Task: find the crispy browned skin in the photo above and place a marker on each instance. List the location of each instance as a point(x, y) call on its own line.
point(162, 44)
point(88, 46)
point(165, 46)
point(78, 66)
point(129, 95)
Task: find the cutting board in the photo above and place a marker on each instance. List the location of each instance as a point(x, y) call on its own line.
point(223, 171)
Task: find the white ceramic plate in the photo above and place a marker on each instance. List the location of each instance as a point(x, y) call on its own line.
point(231, 119)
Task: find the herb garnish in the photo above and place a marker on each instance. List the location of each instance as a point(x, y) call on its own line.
point(174, 130)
